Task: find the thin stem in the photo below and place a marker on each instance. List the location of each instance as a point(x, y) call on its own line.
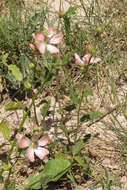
point(35, 113)
point(82, 4)
point(60, 9)
point(24, 118)
point(59, 103)
point(78, 116)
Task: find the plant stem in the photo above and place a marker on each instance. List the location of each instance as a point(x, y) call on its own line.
point(60, 9)
point(59, 103)
point(24, 118)
point(35, 113)
point(78, 116)
point(21, 126)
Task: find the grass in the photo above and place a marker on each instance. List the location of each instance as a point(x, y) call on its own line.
point(84, 108)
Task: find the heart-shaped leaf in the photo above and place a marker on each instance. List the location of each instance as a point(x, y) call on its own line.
point(15, 72)
point(53, 170)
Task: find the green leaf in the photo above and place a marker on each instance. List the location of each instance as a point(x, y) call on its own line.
point(41, 102)
point(4, 58)
point(12, 79)
point(74, 95)
point(15, 106)
point(71, 10)
point(11, 186)
point(15, 72)
point(94, 115)
point(77, 147)
point(24, 62)
point(27, 85)
point(82, 162)
point(61, 155)
point(88, 92)
point(124, 151)
point(84, 117)
point(32, 182)
point(4, 129)
point(69, 108)
point(45, 109)
point(56, 168)
point(53, 170)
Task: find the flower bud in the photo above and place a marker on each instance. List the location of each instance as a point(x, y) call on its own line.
point(91, 49)
point(31, 46)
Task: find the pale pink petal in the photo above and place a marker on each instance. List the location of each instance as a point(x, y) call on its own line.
point(31, 46)
point(19, 136)
point(56, 39)
point(52, 49)
point(78, 61)
point(86, 58)
point(30, 154)
point(41, 47)
point(38, 36)
point(51, 31)
point(95, 60)
point(41, 152)
point(24, 142)
point(44, 141)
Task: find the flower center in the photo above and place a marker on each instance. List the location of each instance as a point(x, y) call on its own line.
point(34, 145)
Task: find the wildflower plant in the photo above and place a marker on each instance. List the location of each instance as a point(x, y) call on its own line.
point(52, 64)
point(44, 41)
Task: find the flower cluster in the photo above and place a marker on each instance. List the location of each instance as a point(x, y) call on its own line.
point(46, 40)
point(34, 146)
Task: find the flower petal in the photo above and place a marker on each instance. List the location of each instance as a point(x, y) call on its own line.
point(78, 61)
point(24, 142)
point(95, 60)
point(38, 36)
point(31, 46)
point(19, 136)
point(56, 39)
point(52, 49)
point(30, 154)
point(44, 141)
point(51, 31)
point(41, 47)
point(41, 152)
point(86, 58)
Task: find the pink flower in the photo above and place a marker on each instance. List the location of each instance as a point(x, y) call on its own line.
point(86, 59)
point(44, 42)
point(33, 147)
point(31, 46)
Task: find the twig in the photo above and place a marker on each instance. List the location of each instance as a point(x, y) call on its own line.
point(103, 116)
